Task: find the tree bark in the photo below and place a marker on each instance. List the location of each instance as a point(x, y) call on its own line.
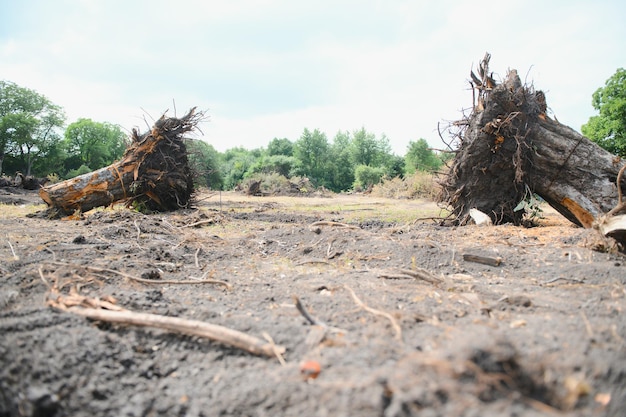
point(510, 149)
point(153, 174)
point(574, 175)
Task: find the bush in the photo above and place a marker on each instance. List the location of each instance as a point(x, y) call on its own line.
point(276, 184)
point(83, 169)
point(419, 185)
point(53, 178)
point(367, 176)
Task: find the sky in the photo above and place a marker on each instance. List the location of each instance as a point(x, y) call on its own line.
point(264, 69)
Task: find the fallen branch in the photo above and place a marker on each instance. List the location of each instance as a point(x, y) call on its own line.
point(333, 224)
point(76, 304)
point(388, 316)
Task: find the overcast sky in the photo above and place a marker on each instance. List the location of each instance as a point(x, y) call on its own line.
point(269, 68)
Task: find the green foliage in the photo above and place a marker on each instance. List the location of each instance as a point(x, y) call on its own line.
point(28, 125)
point(236, 163)
point(608, 129)
point(395, 166)
point(367, 176)
point(204, 160)
point(83, 169)
point(279, 164)
point(312, 150)
point(420, 158)
point(340, 171)
point(531, 205)
point(95, 144)
point(280, 147)
point(366, 149)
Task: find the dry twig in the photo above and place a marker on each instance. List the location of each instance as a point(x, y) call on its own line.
point(199, 223)
point(15, 257)
point(196, 258)
point(334, 224)
point(314, 321)
point(95, 310)
point(388, 316)
point(418, 273)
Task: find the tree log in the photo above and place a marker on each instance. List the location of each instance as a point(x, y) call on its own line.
point(153, 174)
point(509, 149)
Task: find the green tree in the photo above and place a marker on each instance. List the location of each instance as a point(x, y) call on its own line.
point(204, 160)
point(236, 163)
point(419, 157)
point(311, 152)
point(368, 150)
point(608, 129)
point(395, 166)
point(28, 125)
point(340, 166)
point(280, 147)
point(96, 144)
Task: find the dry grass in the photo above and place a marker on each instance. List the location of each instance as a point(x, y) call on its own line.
point(347, 207)
point(12, 211)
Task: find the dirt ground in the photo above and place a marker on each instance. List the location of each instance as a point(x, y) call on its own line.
point(408, 323)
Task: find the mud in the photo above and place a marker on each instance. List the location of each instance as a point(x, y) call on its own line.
point(542, 333)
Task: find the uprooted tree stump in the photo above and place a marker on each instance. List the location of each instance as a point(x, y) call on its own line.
point(509, 149)
point(153, 174)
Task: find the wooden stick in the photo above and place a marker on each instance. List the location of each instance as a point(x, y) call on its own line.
point(213, 332)
point(485, 260)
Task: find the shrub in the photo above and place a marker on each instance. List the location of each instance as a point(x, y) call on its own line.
point(367, 176)
point(419, 185)
point(83, 169)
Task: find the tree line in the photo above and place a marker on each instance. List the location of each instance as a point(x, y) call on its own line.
point(351, 160)
point(34, 140)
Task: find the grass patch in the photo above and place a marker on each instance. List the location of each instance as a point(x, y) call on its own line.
point(12, 211)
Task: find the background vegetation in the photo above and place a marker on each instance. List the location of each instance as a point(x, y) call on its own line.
point(35, 140)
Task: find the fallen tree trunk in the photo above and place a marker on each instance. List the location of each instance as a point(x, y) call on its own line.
point(153, 174)
point(510, 149)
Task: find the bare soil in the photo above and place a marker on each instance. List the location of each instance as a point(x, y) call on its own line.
point(541, 333)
